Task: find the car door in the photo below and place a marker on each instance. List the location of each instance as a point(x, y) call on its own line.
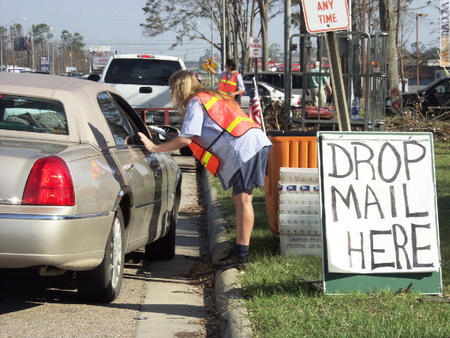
point(140, 170)
point(159, 219)
point(441, 94)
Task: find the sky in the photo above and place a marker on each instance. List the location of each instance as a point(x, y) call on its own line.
point(116, 23)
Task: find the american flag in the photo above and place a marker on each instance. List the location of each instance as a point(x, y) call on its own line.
point(255, 107)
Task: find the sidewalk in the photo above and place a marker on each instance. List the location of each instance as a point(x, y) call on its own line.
point(234, 321)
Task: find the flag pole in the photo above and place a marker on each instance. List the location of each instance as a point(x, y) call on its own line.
point(260, 109)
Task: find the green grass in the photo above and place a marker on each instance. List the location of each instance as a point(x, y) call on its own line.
point(280, 305)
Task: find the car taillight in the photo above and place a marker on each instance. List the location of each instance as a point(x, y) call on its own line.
point(145, 56)
point(49, 183)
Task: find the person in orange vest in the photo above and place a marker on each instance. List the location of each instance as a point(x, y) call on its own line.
point(230, 81)
point(228, 143)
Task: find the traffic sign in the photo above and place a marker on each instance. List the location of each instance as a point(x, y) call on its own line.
point(255, 45)
point(211, 63)
point(395, 97)
point(326, 15)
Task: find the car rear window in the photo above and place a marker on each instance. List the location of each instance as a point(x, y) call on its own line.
point(141, 71)
point(31, 114)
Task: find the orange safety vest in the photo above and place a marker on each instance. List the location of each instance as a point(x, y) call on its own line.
point(228, 86)
point(230, 117)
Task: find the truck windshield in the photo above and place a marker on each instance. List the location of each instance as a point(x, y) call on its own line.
point(141, 71)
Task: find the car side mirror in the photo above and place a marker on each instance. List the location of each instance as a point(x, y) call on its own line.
point(94, 77)
point(163, 133)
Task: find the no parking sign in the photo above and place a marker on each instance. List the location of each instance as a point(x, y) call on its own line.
point(326, 15)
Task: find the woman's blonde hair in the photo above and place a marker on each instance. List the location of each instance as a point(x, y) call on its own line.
point(184, 85)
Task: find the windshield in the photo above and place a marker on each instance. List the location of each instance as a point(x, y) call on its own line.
point(32, 114)
point(141, 71)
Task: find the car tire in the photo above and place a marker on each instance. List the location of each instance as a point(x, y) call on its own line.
point(186, 151)
point(163, 248)
point(104, 282)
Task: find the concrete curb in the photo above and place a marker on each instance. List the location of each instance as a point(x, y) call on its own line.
point(234, 321)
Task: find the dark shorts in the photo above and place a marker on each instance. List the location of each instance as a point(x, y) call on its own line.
point(251, 174)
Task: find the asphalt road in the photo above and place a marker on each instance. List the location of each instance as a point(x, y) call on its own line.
point(158, 298)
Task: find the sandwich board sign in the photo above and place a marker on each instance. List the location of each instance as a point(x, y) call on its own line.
point(379, 212)
point(326, 15)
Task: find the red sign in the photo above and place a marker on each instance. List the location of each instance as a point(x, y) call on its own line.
point(396, 99)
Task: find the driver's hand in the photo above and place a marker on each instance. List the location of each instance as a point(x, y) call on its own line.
point(147, 143)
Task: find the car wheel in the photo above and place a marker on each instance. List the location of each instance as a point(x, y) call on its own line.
point(103, 283)
point(163, 248)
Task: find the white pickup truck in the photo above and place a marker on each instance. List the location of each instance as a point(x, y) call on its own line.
point(143, 80)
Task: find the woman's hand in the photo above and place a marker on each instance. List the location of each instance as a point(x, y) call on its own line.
point(147, 143)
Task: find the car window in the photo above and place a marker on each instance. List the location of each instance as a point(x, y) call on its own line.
point(32, 114)
point(119, 125)
point(442, 88)
point(263, 91)
point(135, 119)
point(141, 71)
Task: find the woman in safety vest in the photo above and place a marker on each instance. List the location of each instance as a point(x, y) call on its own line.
point(230, 81)
point(228, 143)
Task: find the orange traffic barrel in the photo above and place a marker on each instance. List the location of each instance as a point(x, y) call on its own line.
point(292, 149)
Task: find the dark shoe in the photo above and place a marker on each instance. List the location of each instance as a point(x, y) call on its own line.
point(232, 261)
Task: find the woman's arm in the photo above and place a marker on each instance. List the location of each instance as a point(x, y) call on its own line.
point(174, 144)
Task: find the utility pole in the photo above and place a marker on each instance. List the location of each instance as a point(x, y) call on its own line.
point(417, 47)
point(224, 45)
point(287, 59)
point(1, 49)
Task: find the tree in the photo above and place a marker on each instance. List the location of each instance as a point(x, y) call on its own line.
point(3, 40)
point(40, 34)
point(264, 7)
point(182, 19)
point(274, 52)
point(72, 49)
point(387, 24)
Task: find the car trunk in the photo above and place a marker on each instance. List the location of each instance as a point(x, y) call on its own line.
point(17, 158)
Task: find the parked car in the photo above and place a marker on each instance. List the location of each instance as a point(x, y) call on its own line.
point(269, 91)
point(78, 188)
point(436, 94)
point(276, 81)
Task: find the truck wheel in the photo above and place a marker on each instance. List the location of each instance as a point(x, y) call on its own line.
point(103, 283)
point(163, 248)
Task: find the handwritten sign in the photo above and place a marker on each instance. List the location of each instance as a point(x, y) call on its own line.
point(326, 15)
point(379, 202)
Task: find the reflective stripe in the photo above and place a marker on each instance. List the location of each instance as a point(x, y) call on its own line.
point(206, 158)
point(229, 82)
point(236, 121)
point(211, 102)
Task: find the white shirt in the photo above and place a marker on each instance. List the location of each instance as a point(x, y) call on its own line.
point(232, 151)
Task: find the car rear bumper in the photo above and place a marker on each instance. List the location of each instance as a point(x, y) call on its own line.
point(74, 242)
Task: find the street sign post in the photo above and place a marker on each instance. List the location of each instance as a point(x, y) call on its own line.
point(328, 16)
